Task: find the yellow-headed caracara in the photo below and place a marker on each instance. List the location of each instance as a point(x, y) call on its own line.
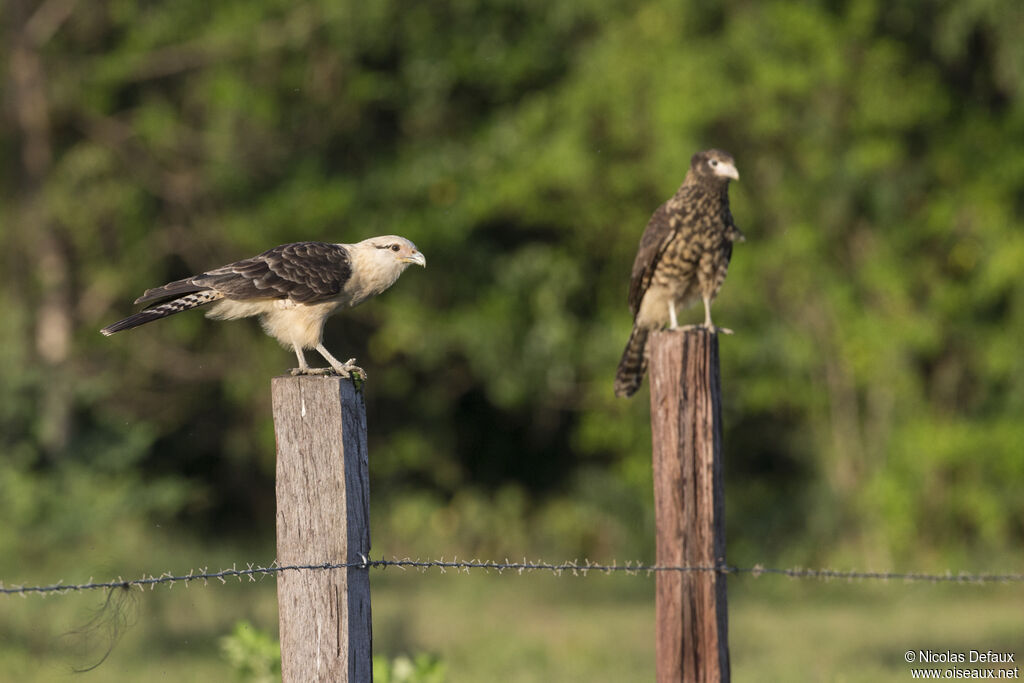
point(293, 288)
point(683, 256)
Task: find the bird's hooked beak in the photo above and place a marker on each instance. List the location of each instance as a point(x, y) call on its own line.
point(727, 170)
point(416, 257)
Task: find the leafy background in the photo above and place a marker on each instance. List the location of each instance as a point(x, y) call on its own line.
point(874, 389)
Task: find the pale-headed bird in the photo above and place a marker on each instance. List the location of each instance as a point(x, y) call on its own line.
point(293, 288)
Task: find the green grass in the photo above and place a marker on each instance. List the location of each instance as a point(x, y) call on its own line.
point(543, 628)
point(534, 627)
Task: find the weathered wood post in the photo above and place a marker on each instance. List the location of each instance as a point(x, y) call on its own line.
point(323, 516)
point(689, 502)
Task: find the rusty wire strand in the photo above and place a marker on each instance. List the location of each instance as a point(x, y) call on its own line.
point(576, 568)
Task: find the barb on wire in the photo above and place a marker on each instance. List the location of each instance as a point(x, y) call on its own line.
point(577, 568)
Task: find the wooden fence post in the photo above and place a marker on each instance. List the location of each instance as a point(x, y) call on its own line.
point(692, 624)
point(323, 506)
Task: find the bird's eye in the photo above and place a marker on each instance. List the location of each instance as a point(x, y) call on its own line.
point(714, 162)
point(395, 247)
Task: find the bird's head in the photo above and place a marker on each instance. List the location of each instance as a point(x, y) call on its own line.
point(392, 249)
point(714, 166)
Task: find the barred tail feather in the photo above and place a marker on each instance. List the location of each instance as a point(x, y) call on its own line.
point(633, 364)
point(175, 289)
point(163, 310)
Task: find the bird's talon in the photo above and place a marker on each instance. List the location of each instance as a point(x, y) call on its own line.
point(350, 369)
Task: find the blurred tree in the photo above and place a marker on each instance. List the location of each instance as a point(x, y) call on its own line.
point(874, 385)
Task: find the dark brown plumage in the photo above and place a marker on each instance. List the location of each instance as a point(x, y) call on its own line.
point(683, 256)
point(302, 271)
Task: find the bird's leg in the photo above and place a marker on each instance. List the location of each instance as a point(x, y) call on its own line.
point(303, 368)
point(674, 325)
point(345, 369)
point(707, 318)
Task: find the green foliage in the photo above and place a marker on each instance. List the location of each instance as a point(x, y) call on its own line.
point(599, 517)
point(873, 389)
point(423, 668)
point(254, 656)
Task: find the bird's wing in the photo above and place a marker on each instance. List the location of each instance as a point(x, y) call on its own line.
point(662, 227)
point(304, 272)
point(732, 231)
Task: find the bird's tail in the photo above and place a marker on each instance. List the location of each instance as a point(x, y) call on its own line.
point(163, 310)
point(633, 364)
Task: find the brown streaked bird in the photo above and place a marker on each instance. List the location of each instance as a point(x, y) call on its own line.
point(683, 256)
point(294, 288)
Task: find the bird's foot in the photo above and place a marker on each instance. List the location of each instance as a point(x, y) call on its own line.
point(348, 370)
point(351, 370)
point(713, 329)
point(312, 371)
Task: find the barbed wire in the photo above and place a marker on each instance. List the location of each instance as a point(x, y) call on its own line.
point(576, 568)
